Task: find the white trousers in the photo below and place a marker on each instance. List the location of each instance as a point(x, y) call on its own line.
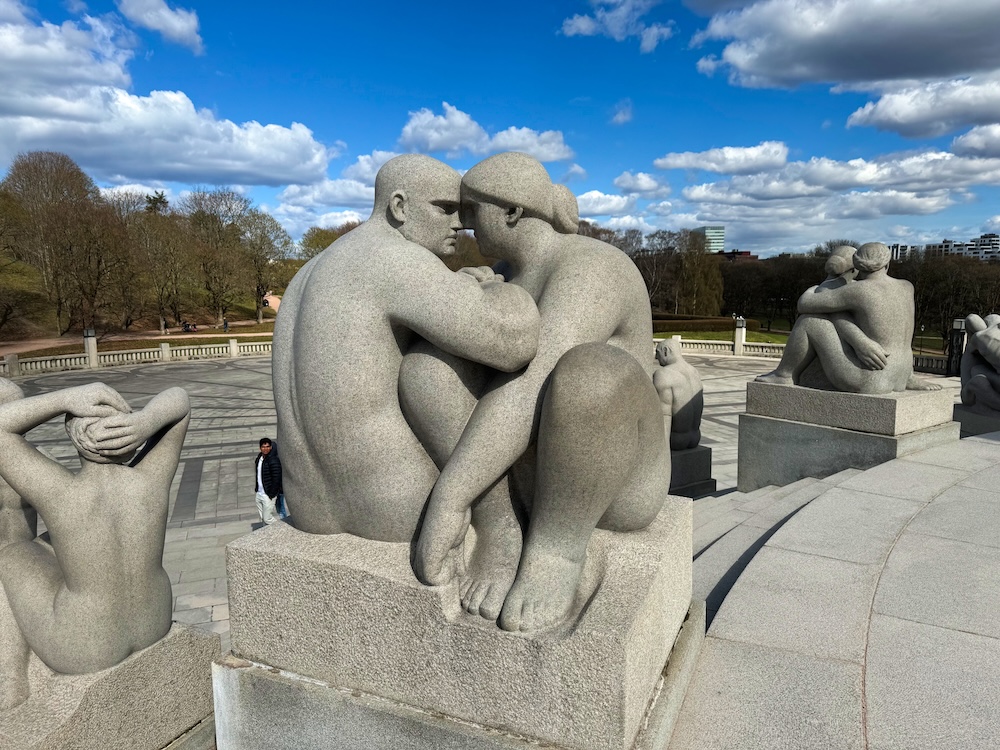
point(265, 507)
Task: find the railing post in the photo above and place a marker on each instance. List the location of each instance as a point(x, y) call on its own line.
point(90, 347)
point(739, 336)
point(164, 352)
point(13, 366)
point(234, 348)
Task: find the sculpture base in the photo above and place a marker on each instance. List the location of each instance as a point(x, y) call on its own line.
point(976, 423)
point(261, 708)
point(779, 452)
point(349, 613)
point(149, 701)
point(691, 472)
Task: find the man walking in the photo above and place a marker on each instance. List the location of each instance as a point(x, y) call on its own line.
point(268, 485)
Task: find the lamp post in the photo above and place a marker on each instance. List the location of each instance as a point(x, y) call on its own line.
point(921, 339)
point(739, 336)
point(956, 343)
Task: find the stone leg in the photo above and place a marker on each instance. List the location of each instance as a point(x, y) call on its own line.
point(14, 655)
point(602, 456)
point(438, 392)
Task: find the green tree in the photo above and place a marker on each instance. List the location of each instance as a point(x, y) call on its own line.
point(265, 242)
point(317, 239)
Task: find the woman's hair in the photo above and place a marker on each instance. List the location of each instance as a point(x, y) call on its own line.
point(840, 261)
point(514, 179)
point(872, 256)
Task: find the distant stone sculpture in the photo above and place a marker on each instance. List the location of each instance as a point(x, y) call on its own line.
point(352, 463)
point(98, 592)
point(573, 443)
point(980, 367)
point(859, 332)
point(681, 395)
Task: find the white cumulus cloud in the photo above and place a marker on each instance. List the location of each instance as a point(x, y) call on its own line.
point(620, 20)
point(596, 203)
point(455, 132)
point(729, 159)
point(350, 193)
point(176, 24)
point(982, 141)
point(623, 112)
point(65, 88)
point(367, 166)
point(642, 184)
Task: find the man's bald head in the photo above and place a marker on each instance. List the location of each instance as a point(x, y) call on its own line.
point(415, 173)
point(420, 197)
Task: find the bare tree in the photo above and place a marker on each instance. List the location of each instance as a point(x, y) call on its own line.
point(265, 242)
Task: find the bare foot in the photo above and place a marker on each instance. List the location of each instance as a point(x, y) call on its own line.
point(439, 545)
point(774, 378)
point(543, 592)
point(491, 570)
point(918, 384)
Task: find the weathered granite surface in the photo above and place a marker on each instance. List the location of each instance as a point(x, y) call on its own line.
point(881, 414)
point(691, 472)
point(316, 606)
point(143, 703)
point(980, 366)
point(975, 422)
point(679, 387)
point(779, 451)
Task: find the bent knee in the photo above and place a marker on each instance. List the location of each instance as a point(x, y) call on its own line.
point(598, 376)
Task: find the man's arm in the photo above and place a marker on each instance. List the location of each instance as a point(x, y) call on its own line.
point(870, 353)
point(490, 322)
point(36, 478)
point(844, 299)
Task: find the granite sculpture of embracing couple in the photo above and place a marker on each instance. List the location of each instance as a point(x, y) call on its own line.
point(414, 402)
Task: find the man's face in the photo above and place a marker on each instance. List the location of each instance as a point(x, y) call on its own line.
point(432, 219)
point(265, 448)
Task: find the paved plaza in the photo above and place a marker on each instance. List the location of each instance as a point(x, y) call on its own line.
point(867, 617)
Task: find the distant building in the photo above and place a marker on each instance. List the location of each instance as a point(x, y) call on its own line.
point(715, 238)
point(903, 252)
point(984, 247)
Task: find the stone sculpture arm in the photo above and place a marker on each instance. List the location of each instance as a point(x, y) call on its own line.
point(490, 322)
point(161, 425)
point(845, 299)
point(870, 353)
point(35, 477)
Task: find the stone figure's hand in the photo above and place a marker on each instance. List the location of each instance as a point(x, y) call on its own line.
point(438, 557)
point(119, 435)
point(95, 400)
point(872, 355)
point(481, 273)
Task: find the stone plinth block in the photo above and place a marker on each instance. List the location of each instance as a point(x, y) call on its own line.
point(976, 422)
point(261, 708)
point(779, 451)
point(149, 700)
point(350, 613)
point(885, 414)
point(691, 472)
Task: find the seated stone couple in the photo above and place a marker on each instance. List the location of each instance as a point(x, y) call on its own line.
point(413, 401)
point(854, 335)
point(980, 368)
point(96, 592)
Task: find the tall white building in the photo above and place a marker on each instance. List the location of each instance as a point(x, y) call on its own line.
point(715, 238)
point(984, 247)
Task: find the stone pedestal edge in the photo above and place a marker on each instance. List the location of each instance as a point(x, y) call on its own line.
point(259, 707)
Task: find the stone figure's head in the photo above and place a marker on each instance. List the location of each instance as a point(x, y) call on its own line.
point(668, 352)
point(501, 192)
point(420, 197)
point(85, 433)
point(841, 262)
point(9, 391)
point(871, 257)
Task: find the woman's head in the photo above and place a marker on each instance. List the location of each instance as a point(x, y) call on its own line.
point(871, 257)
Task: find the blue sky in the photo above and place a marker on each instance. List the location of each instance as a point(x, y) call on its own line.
point(789, 121)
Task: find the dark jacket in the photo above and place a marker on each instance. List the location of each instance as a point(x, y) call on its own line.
point(270, 474)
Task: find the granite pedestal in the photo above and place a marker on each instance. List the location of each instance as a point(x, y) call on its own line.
point(790, 432)
point(691, 472)
point(340, 624)
point(976, 422)
point(149, 701)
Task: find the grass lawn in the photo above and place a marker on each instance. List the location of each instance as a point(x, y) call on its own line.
point(757, 337)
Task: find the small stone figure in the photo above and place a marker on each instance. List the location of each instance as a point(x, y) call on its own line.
point(980, 368)
point(352, 463)
point(859, 332)
point(98, 593)
point(681, 395)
